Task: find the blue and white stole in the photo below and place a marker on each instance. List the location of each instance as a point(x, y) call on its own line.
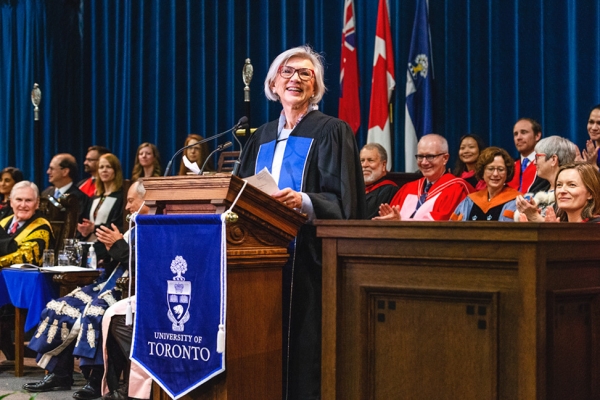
point(294, 160)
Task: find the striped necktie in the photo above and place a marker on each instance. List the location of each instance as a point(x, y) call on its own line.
point(422, 197)
point(13, 227)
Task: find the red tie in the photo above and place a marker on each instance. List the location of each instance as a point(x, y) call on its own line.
point(14, 227)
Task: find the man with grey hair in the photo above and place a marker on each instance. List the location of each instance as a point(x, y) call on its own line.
point(24, 235)
point(433, 197)
point(378, 189)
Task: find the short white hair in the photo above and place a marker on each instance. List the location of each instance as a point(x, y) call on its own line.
point(306, 53)
point(25, 184)
point(442, 141)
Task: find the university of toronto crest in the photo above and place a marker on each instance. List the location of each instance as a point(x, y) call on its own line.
point(179, 294)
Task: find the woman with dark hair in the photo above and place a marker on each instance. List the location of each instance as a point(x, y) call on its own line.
point(497, 201)
point(8, 177)
point(195, 154)
point(468, 152)
point(577, 191)
point(147, 162)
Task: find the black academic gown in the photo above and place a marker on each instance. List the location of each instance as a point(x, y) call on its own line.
point(333, 181)
point(381, 194)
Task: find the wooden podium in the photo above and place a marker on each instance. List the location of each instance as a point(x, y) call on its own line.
point(256, 251)
point(460, 310)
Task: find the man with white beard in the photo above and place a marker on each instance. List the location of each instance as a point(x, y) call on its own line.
point(378, 189)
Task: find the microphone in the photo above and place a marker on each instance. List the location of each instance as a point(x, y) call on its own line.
point(240, 125)
point(237, 163)
point(56, 203)
point(219, 148)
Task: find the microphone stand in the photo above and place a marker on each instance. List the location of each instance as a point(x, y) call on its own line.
point(219, 148)
point(239, 124)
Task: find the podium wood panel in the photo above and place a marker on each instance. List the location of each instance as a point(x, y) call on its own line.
point(450, 310)
point(256, 252)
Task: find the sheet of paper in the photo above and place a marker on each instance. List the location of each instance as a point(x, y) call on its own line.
point(25, 266)
point(64, 268)
point(192, 166)
point(263, 181)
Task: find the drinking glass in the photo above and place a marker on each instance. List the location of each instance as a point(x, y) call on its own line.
point(63, 258)
point(48, 258)
point(73, 249)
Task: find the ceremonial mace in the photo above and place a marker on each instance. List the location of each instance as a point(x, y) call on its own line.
point(36, 98)
point(247, 73)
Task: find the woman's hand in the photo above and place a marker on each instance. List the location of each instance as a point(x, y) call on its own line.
point(388, 213)
point(529, 209)
point(551, 215)
point(86, 228)
point(590, 153)
point(289, 198)
point(108, 236)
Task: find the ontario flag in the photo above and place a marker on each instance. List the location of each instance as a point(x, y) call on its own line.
point(419, 81)
point(383, 83)
point(349, 106)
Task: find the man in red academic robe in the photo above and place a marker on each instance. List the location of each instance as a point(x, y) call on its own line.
point(526, 133)
point(433, 197)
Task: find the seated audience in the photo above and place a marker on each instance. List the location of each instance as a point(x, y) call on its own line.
point(196, 154)
point(147, 162)
point(106, 208)
point(496, 202)
point(90, 165)
point(378, 189)
point(8, 177)
point(577, 191)
point(551, 153)
point(470, 147)
point(62, 172)
point(71, 326)
point(433, 197)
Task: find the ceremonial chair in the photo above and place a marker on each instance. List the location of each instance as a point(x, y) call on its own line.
point(227, 160)
point(62, 217)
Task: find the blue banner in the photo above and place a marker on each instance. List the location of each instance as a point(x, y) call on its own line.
point(180, 288)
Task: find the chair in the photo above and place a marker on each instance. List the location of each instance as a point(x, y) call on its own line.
point(227, 160)
point(62, 217)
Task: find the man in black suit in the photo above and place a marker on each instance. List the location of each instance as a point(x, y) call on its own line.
point(62, 172)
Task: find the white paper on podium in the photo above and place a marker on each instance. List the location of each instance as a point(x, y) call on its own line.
point(192, 166)
point(263, 181)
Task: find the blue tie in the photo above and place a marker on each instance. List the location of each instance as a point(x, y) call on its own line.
point(422, 197)
point(524, 165)
point(57, 194)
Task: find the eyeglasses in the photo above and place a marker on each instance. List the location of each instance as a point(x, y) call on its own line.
point(304, 74)
point(538, 155)
point(428, 157)
point(491, 170)
point(91, 159)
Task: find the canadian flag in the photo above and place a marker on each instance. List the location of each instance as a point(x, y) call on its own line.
point(383, 83)
point(349, 104)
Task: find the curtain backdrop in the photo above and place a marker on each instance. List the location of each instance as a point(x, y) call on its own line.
point(119, 73)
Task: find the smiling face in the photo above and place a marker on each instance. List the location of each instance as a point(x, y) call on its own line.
point(105, 171)
point(571, 193)
point(468, 151)
point(593, 126)
point(294, 92)
point(90, 164)
point(24, 203)
point(494, 175)
point(372, 166)
point(431, 146)
point(146, 157)
point(6, 184)
point(524, 137)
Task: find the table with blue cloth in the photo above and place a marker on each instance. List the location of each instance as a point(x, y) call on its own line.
point(29, 291)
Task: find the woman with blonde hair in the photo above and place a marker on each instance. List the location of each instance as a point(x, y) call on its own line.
point(147, 162)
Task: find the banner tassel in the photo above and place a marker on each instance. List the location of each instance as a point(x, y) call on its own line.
point(221, 339)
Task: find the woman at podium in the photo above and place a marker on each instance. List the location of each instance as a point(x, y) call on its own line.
point(315, 160)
